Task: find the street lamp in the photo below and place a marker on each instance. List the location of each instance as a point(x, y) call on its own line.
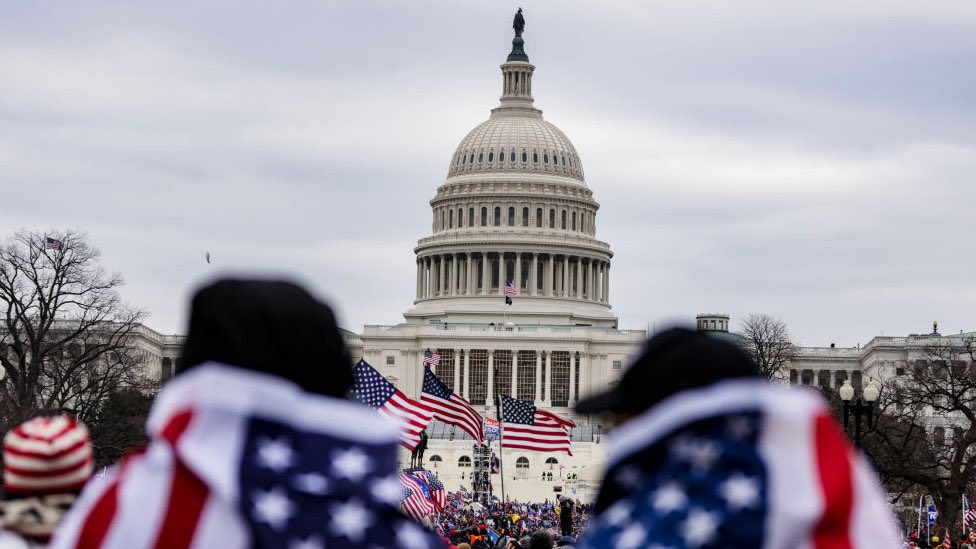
point(870, 394)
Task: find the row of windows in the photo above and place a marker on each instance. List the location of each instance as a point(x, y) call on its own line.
point(502, 375)
point(511, 157)
point(563, 219)
point(520, 463)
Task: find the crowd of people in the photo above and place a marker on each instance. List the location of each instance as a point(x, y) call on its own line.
point(500, 524)
point(255, 443)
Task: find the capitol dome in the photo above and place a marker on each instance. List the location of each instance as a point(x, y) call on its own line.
point(521, 143)
point(514, 224)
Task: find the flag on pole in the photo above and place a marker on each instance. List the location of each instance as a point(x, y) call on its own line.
point(431, 358)
point(373, 390)
point(450, 407)
point(510, 290)
point(527, 428)
point(52, 243)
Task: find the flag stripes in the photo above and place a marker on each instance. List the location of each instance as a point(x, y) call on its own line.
point(525, 427)
point(450, 407)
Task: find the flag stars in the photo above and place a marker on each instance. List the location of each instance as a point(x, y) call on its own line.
point(700, 453)
point(352, 464)
point(275, 454)
point(632, 537)
point(350, 520)
point(412, 537)
point(669, 497)
point(629, 477)
point(617, 514)
point(273, 508)
point(388, 490)
point(740, 492)
point(311, 483)
point(699, 528)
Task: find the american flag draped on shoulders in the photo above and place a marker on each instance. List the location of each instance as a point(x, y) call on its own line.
point(738, 464)
point(373, 390)
point(449, 406)
point(526, 427)
point(256, 463)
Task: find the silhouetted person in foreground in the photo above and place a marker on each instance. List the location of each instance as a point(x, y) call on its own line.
point(708, 454)
point(253, 442)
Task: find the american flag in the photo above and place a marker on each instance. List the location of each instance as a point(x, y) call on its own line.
point(450, 407)
point(738, 464)
point(52, 243)
point(373, 390)
point(510, 288)
point(437, 493)
point(259, 463)
point(417, 502)
point(432, 358)
point(968, 514)
point(527, 428)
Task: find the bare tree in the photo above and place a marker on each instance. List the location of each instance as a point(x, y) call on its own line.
point(65, 332)
point(770, 344)
point(924, 440)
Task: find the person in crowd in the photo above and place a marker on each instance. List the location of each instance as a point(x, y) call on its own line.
point(254, 443)
point(46, 461)
point(566, 509)
point(705, 453)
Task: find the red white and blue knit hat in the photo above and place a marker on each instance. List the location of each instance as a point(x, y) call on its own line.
point(47, 455)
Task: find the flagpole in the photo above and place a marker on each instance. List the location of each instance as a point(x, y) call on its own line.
point(501, 461)
point(919, 527)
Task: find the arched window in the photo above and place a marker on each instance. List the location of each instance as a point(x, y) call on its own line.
point(511, 217)
point(552, 462)
point(435, 460)
point(574, 221)
point(498, 216)
point(460, 217)
point(552, 219)
point(443, 225)
point(522, 463)
point(512, 156)
point(464, 159)
point(501, 156)
point(484, 217)
point(525, 217)
point(450, 219)
point(564, 159)
point(538, 217)
point(525, 157)
point(564, 219)
point(535, 157)
point(481, 156)
point(545, 158)
point(470, 217)
point(491, 156)
point(570, 161)
point(471, 160)
point(464, 461)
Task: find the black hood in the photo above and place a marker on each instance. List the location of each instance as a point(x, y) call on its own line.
point(269, 326)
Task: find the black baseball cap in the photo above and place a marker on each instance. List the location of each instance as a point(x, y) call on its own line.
point(671, 361)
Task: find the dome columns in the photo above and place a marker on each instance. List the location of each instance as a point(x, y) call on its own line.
point(485, 273)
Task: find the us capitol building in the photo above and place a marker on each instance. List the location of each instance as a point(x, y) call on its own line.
point(515, 206)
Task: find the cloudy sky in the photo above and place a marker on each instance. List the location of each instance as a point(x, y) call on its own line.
point(814, 162)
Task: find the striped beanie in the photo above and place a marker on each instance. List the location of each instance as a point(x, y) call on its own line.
point(47, 455)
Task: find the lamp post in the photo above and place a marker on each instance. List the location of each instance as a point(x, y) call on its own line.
point(870, 394)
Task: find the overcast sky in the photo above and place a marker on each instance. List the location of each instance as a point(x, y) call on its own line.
point(812, 162)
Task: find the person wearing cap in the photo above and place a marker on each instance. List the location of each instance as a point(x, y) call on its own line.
point(254, 442)
point(706, 453)
point(46, 461)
